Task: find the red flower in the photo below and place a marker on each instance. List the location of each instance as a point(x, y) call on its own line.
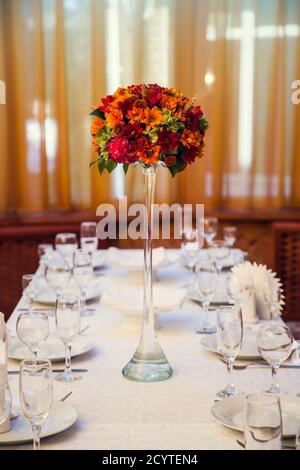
point(170, 160)
point(154, 95)
point(193, 117)
point(105, 103)
point(132, 131)
point(118, 148)
point(168, 140)
point(190, 154)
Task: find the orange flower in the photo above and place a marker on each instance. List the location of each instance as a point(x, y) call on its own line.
point(97, 124)
point(122, 95)
point(114, 117)
point(169, 102)
point(95, 146)
point(149, 155)
point(190, 138)
point(152, 117)
point(135, 114)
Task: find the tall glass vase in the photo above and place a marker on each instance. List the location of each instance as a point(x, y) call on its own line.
point(149, 363)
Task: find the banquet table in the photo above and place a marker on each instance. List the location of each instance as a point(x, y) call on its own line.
point(115, 413)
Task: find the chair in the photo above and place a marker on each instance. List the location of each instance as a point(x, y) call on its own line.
point(286, 262)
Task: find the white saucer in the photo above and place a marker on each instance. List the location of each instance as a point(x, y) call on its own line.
point(230, 413)
point(61, 417)
point(52, 348)
point(249, 349)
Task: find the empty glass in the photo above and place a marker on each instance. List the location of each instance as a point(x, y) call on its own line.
point(189, 248)
point(30, 287)
point(44, 249)
point(210, 225)
point(32, 328)
point(218, 252)
point(57, 275)
point(88, 237)
point(230, 235)
point(66, 244)
point(67, 316)
point(83, 274)
point(36, 394)
point(298, 436)
point(274, 342)
point(239, 292)
point(229, 338)
point(206, 283)
point(272, 296)
point(5, 402)
point(263, 422)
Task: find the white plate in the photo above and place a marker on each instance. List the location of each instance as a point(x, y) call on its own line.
point(230, 413)
point(52, 349)
point(61, 417)
point(47, 297)
point(249, 349)
point(133, 260)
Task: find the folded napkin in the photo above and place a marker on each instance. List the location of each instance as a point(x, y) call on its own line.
point(263, 280)
point(4, 427)
point(128, 298)
point(134, 260)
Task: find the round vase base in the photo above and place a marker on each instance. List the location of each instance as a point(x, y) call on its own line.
point(146, 371)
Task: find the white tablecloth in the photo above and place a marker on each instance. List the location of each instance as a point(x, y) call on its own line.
point(114, 413)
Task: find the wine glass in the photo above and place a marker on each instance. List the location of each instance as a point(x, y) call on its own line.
point(218, 252)
point(45, 253)
point(189, 248)
point(5, 403)
point(67, 318)
point(239, 291)
point(66, 244)
point(206, 282)
point(30, 288)
point(88, 237)
point(83, 274)
point(229, 235)
point(229, 337)
point(263, 422)
point(32, 329)
point(57, 275)
point(274, 343)
point(298, 435)
point(210, 225)
point(272, 296)
point(44, 249)
point(36, 394)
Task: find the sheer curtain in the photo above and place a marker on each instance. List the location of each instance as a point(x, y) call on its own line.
point(237, 57)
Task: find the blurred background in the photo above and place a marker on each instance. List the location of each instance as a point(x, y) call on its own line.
point(238, 58)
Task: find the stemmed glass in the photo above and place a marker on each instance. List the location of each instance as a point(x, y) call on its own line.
point(32, 328)
point(5, 402)
point(274, 343)
point(272, 297)
point(30, 288)
point(189, 248)
point(230, 235)
point(45, 253)
point(229, 337)
point(36, 394)
point(67, 317)
point(218, 252)
point(66, 244)
point(83, 274)
point(239, 292)
point(88, 237)
point(57, 275)
point(206, 282)
point(210, 225)
point(263, 422)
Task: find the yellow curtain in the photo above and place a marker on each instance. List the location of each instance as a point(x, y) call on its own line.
point(238, 58)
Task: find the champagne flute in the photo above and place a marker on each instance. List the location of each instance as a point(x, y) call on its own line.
point(32, 328)
point(274, 343)
point(239, 291)
point(263, 422)
point(206, 283)
point(229, 337)
point(36, 394)
point(5, 403)
point(57, 275)
point(83, 274)
point(210, 225)
point(230, 235)
point(30, 288)
point(189, 248)
point(218, 252)
point(66, 244)
point(67, 317)
point(272, 296)
point(88, 237)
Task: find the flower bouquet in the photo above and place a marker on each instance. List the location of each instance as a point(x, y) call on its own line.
point(147, 125)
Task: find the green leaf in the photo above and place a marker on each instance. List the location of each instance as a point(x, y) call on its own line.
point(97, 113)
point(101, 165)
point(203, 124)
point(180, 166)
point(125, 167)
point(93, 162)
point(110, 165)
